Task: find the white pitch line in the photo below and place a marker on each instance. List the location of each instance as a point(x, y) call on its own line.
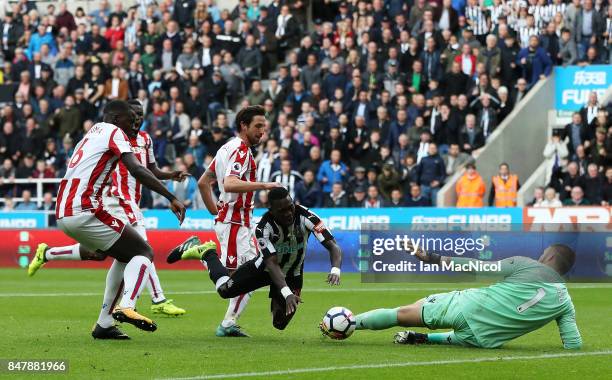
point(307, 290)
point(391, 365)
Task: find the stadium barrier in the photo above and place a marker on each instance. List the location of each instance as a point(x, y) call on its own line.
point(26, 230)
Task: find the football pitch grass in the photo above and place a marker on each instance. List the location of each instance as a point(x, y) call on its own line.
point(50, 316)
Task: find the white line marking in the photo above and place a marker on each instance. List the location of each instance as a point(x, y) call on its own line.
point(308, 290)
point(388, 365)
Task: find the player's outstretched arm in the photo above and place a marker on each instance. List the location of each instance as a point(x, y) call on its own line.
point(278, 278)
point(335, 256)
point(507, 266)
point(147, 178)
point(205, 186)
point(233, 184)
point(175, 175)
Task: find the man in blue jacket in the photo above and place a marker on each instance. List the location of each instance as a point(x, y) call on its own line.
point(430, 173)
point(534, 62)
point(332, 171)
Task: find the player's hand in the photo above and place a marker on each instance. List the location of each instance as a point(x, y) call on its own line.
point(292, 303)
point(178, 209)
point(419, 252)
point(272, 185)
point(180, 176)
point(333, 279)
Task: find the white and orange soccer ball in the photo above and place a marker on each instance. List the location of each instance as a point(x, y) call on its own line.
point(338, 323)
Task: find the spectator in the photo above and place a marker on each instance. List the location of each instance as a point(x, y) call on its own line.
point(308, 192)
point(336, 197)
point(47, 204)
point(9, 204)
point(373, 200)
point(555, 153)
point(396, 199)
point(454, 160)
point(26, 204)
point(470, 188)
point(471, 136)
point(357, 199)
point(550, 199)
point(387, 181)
point(430, 173)
point(196, 149)
point(287, 177)
point(534, 61)
point(567, 54)
point(538, 197)
point(116, 87)
point(416, 198)
point(593, 183)
point(576, 198)
point(607, 188)
point(332, 171)
point(504, 188)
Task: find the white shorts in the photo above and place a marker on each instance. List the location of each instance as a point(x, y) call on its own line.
point(96, 231)
point(237, 244)
point(128, 212)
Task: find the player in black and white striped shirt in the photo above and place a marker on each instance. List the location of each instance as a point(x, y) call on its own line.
point(282, 235)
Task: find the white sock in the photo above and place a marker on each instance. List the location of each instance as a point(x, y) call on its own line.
point(154, 286)
point(135, 278)
point(235, 309)
point(69, 252)
point(112, 291)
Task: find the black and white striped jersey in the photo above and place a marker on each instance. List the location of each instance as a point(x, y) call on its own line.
point(289, 243)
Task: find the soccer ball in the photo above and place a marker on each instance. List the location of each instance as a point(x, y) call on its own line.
point(338, 323)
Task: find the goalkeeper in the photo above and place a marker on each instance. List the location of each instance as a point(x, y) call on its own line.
point(531, 294)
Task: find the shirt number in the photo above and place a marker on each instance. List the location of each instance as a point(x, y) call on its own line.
point(76, 158)
point(537, 298)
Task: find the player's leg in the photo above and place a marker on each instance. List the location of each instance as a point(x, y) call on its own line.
point(160, 305)
point(438, 311)
point(130, 247)
point(104, 328)
point(44, 254)
point(278, 306)
point(240, 248)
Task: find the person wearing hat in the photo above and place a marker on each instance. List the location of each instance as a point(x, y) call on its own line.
point(358, 179)
point(357, 198)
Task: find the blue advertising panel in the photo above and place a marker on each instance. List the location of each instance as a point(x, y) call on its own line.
point(573, 85)
point(352, 218)
point(20, 219)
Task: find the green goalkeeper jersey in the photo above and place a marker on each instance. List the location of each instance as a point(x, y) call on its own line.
point(530, 295)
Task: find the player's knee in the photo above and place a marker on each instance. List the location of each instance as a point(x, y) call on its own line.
point(224, 291)
point(95, 256)
point(280, 323)
point(409, 315)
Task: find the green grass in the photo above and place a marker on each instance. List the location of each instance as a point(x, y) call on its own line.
point(38, 321)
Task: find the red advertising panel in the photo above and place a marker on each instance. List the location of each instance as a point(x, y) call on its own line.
point(17, 247)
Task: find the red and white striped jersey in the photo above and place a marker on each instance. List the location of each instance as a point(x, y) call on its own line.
point(234, 158)
point(124, 185)
point(89, 169)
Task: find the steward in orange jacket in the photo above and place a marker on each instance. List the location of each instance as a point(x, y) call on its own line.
point(470, 188)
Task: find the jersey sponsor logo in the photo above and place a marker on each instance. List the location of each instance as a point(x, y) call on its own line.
point(560, 219)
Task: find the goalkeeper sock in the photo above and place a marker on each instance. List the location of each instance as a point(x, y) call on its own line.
point(378, 319)
point(443, 338)
point(217, 272)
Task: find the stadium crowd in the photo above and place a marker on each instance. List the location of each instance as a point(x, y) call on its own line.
point(376, 105)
